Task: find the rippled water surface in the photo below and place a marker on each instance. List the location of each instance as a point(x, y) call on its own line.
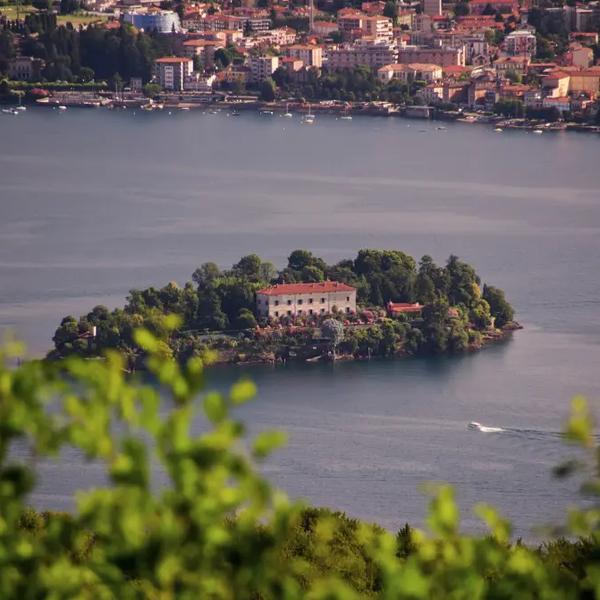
point(95, 203)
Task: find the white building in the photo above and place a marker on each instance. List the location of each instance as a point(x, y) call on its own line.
point(171, 72)
point(520, 43)
point(309, 54)
point(162, 21)
point(305, 299)
point(378, 27)
point(262, 67)
point(410, 72)
point(366, 51)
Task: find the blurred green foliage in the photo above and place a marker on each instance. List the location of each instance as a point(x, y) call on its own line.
point(218, 529)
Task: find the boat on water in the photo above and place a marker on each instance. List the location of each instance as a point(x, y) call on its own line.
point(266, 113)
point(498, 130)
point(10, 111)
point(538, 131)
point(441, 128)
point(20, 108)
point(309, 118)
point(62, 107)
point(184, 108)
point(287, 114)
point(346, 118)
point(483, 428)
point(235, 113)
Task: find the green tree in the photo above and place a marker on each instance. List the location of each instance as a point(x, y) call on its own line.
point(268, 90)
point(500, 309)
point(210, 314)
point(390, 10)
point(245, 320)
point(206, 274)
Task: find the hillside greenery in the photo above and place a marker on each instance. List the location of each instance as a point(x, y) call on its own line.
point(217, 311)
point(79, 55)
point(217, 529)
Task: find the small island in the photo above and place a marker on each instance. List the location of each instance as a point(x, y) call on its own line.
point(381, 303)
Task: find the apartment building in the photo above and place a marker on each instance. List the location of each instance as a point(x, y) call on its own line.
point(380, 28)
point(520, 43)
point(309, 54)
point(368, 52)
point(443, 55)
point(171, 72)
point(262, 67)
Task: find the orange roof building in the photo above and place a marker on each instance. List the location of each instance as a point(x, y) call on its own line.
point(305, 299)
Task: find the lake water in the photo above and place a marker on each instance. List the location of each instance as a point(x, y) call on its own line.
point(95, 203)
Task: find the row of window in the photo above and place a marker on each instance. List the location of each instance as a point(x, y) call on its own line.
point(310, 312)
point(310, 301)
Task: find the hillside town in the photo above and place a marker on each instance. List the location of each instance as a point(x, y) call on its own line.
point(512, 58)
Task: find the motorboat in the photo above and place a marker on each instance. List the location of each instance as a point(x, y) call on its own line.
point(498, 130)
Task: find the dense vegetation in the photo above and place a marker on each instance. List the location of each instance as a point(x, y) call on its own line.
point(217, 529)
point(358, 84)
point(217, 310)
point(74, 55)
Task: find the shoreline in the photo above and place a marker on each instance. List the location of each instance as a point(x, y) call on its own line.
point(337, 109)
point(490, 338)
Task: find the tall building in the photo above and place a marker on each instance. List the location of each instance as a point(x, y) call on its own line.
point(172, 71)
point(262, 67)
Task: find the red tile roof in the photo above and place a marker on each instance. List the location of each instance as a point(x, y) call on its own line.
point(306, 288)
point(404, 307)
point(173, 60)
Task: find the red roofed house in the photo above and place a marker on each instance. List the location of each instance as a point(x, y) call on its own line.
point(294, 299)
point(403, 308)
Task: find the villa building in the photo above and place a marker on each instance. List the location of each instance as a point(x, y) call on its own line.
point(295, 299)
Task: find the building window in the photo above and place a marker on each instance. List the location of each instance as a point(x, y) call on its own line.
point(276, 302)
point(276, 313)
point(289, 312)
point(289, 302)
point(322, 300)
point(310, 311)
point(347, 298)
point(347, 309)
point(310, 300)
point(300, 312)
point(300, 301)
point(322, 310)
